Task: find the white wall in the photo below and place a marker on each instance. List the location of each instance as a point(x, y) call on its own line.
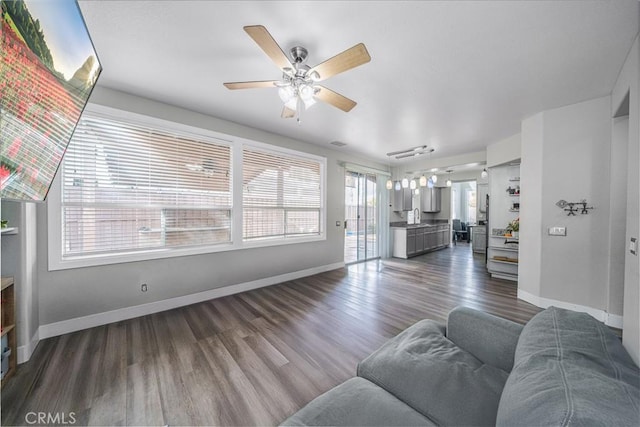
point(69, 294)
point(629, 82)
point(504, 151)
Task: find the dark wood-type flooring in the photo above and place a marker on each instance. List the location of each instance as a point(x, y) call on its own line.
point(253, 358)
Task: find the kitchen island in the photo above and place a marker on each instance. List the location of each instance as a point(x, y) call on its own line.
point(416, 239)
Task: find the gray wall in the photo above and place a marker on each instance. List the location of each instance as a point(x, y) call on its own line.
point(67, 294)
point(629, 82)
point(565, 156)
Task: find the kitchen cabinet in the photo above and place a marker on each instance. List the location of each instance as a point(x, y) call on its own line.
point(483, 190)
point(478, 238)
point(402, 199)
point(430, 199)
point(416, 240)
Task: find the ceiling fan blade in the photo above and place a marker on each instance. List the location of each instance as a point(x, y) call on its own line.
point(288, 113)
point(250, 85)
point(335, 99)
point(263, 38)
point(350, 58)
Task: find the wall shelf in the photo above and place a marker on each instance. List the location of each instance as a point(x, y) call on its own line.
point(498, 248)
point(501, 261)
point(8, 323)
point(9, 230)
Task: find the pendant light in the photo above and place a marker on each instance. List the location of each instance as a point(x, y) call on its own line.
point(398, 186)
point(423, 181)
point(434, 178)
point(484, 173)
point(405, 183)
point(389, 181)
point(449, 179)
point(413, 184)
point(416, 191)
point(430, 183)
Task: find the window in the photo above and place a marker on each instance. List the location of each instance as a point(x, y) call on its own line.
point(127, 187)
point(281, 195)
point(133, 188)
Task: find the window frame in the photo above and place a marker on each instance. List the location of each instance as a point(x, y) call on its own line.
point(54, 200)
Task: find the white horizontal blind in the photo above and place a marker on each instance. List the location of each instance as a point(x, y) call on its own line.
point(127, 187)
point(281, 195)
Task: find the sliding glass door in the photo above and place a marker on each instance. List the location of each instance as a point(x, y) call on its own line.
point(361, 225)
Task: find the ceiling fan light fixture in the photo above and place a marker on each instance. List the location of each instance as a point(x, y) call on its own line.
point(306, 92)
point(308, 103)
point(292, 103)
point(286, 93)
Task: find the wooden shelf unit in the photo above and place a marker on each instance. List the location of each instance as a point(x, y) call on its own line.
point(8, 323)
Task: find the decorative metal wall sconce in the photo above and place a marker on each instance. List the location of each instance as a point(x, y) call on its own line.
point(574, 207)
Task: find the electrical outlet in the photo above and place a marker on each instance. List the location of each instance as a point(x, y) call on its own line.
point(144, 287)
point(557, 231)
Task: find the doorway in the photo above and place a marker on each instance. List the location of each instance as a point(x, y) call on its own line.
point(463, 201)
point(361, 225)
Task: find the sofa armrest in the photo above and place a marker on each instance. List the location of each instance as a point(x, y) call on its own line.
point(491, 339)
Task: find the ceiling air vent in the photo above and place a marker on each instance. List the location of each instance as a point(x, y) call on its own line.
point(337, 143)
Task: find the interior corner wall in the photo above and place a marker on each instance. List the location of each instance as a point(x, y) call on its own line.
point(570, 149)
point(618, 208)
point(629, 83)
point(69, 294)
point(531, 188)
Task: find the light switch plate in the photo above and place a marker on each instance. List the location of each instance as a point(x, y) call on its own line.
point(557, 231)
point(633, 246)
point(337, 223)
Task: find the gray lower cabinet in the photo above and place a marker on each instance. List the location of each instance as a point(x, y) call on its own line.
point(408, 242)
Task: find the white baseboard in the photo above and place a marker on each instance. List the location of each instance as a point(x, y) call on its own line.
point(25, 351)
point(99, 319)
point(613, 320)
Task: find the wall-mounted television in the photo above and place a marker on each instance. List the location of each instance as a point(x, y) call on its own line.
point(48, 68)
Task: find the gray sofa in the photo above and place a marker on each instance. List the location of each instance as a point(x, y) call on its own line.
point(561, 368)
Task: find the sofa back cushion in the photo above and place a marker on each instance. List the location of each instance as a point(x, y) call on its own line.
point(435, 377)
point(570, 369)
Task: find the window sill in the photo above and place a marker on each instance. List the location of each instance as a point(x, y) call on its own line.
point(120, 258)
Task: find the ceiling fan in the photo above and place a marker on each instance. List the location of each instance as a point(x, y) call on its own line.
point(298, 88)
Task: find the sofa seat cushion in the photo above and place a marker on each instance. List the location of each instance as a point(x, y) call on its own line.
point(431, 374)
point(570, 369)
point(357, 402)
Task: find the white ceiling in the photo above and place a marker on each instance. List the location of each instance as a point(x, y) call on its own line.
point(454, 75)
